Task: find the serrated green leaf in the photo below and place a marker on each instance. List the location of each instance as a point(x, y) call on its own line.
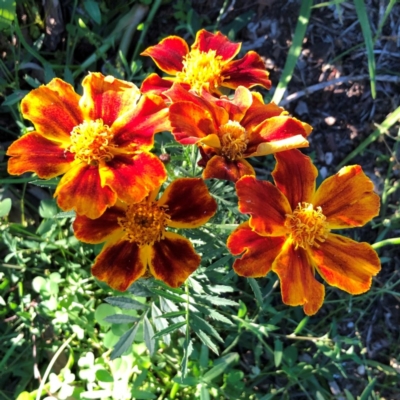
point(219, 317)
point(167, 295)
point(120, 319)
point(124, 342)
point(148, 332)
point(173, 314)
point(207, 341)
point(159, 322)
point(201, 324)
point(125, 303)
point(256, 290)
point(170, 329)
point(220, 366)
point(50, 183)
point(217, 301)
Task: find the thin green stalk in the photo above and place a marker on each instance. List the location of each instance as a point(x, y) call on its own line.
point(294, 50)
point(386, 242)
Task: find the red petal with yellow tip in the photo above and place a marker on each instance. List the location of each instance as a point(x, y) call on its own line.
point(154, 84)
point(206, 41)
point(188, 202)
point(119, 264)
point(35, 153)
point(190, 122)
point(266, 205)
point(294, 176)
point(168, 54)
point(173, 259)
point(53, 109)
point(219, 167)
point(277, 128)
point(238, 106)
point(298, 284)
point(346, 264)
point(258, 251)
point(259, 112)
point(80, 189)
point(248, 71)
point(138, 126)
point(100, 229)
point(133, 177)
point(347, 198)
point(106, 98)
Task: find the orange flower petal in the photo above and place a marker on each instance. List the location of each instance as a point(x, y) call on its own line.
point(138, 126)
point(219, 167)
point(346, 264)
point(298, 284)
point(119, 264)
point(154, 84)
point(266, 205)
point(189, 203)
point(206, 41)
point(238, 106)
point(107, 98)
point(248, 71)
point(100, 229)
point(347, 198)
point(53, 109)
point(173, 259)
point(33, 152)
point(190, 122)
point(259, 112)
point(133, 177)
point(168, 54)
point(294, 176)
point(259, 252)
point(276, 128)
point(80, 190)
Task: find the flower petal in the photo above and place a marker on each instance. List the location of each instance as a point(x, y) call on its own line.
point(276, 128)
point(100, 229)
point(53, 109)
point(107, 98)
point(168, 54)
point(189, 203)
point(347, 198)
point(248, 71)
point(206, 41)
point(33, 152)
point(266, 148)
point(173, 259)
point(133, 177)
point(154, 84)
point(294, 176)
point(257, 252)
point(266, 205)
point(80, 189)
point(119, 264)
point(298, 284)
point(219, 167)
point(238, 106)
point(346, 264)
point(190, 122)
point(138, 126)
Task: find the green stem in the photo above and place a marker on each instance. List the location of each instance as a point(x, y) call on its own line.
point(386, 242)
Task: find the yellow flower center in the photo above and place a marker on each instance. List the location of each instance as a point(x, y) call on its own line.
point(307, 225)
point(144, 223)
point(200, 68)
point(91, 142)
point(233, 139)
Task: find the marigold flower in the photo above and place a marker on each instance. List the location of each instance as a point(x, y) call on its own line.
point(289, 231)
point(229, 131)
point(100, 142)
point(136, 239)
point(208, 64)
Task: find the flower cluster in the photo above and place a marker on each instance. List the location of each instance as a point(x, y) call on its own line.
point(100, 144)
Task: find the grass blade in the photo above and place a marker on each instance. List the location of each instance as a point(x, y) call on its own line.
point(294, 50)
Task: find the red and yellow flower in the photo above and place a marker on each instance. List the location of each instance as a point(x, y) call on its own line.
point(208, 64)
point(289, 231)
point(136, 239)
point(229, 131)
point(100, 142)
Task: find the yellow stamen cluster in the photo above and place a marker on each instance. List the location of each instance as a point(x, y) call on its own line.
point(200, 69)
point(144, 223)
point(91, 142)
point(233, 139)
point(307, 225)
